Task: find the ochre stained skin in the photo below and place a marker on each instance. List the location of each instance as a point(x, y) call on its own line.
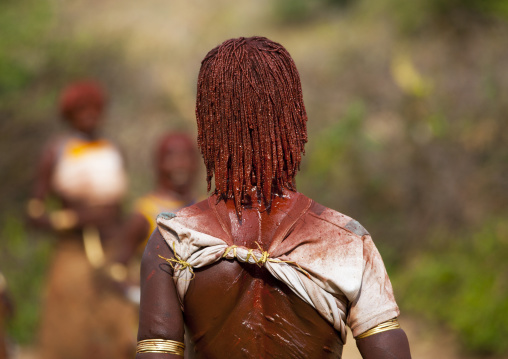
point(251, 123)
point(151, 274)
point(250, 314)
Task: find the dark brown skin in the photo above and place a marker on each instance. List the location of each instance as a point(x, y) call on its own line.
point(176, 166)
point(86, 121)
point(252, 315)
point(392, 344)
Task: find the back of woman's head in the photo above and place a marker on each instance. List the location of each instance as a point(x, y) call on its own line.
point(251, 119)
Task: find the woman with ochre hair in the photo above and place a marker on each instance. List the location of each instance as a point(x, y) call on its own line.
point(85, 173)
point(258, 270)
point(176, 166)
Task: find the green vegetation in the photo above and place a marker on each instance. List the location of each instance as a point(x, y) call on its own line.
point(461, 15)
point(296, 11)
point(24, 259)
point(21, 43)
point(463, 282)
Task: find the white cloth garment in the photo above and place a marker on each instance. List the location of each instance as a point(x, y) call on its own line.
point(91, 172)
point(335, 268)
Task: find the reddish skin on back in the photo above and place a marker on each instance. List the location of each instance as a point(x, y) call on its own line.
point(239, 310)
point(251, 131)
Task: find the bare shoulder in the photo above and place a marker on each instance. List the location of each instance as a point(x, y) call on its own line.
point(337, 219)
point(199, 209)
point(200, 217)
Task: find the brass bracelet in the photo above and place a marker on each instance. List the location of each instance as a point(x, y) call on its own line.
point(383, 327)
point(160, 346)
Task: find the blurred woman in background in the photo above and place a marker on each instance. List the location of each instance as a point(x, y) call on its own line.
point(176, 164)
point(85, 173)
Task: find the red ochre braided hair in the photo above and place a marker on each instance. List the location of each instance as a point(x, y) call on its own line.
point(79, 94)
point(251, 120)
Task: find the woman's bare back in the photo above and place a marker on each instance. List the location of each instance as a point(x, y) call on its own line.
point(241, 310)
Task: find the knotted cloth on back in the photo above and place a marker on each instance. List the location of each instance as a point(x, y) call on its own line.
point(327, 259)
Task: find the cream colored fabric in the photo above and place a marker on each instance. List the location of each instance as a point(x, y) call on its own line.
point(346, 283)
point(90, 171)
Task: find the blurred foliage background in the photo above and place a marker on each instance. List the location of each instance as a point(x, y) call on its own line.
point(407, 127)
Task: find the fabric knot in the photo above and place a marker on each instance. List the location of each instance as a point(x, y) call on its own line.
point(259, 261)
point(177, 260)
point(262, 259)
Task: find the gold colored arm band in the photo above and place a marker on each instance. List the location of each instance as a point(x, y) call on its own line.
point(160, 346)
point(383, 327)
